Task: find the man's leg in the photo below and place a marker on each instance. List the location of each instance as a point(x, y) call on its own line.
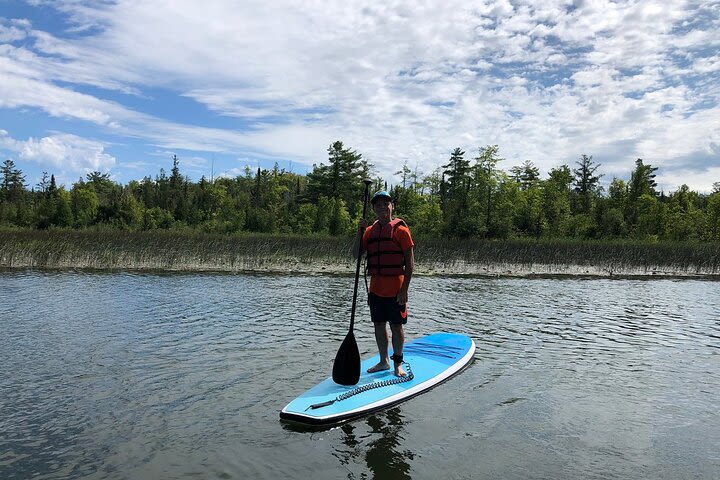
point(398, 341)
point(381, 337)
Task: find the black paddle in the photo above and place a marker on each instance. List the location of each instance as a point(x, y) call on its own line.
point(346, 369)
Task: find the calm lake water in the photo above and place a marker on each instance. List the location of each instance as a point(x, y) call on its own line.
point(151, 376)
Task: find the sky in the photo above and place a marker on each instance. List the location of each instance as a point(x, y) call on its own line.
point(122, 86)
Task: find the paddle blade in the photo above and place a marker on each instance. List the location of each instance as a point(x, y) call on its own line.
point(346, 369)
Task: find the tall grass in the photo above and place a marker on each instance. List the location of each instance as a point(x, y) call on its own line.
point(196, 251)
point(172, 250)
point(612, 257)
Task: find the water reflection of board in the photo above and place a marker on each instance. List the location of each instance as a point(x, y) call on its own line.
point(431, 359)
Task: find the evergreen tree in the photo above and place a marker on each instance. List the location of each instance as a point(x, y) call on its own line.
point(405, 172)
point(175, 203)
point(53, 186)
point(456, 199)
point(175, 177)
point(486, 180)
point(54, 208)
point(586, 183)
point(642, 184)
point(529, 218)
point(107, 191)
point(526, 175)
point(44, 183)
point(162, 190)
point(12, 182)
point(456, 173)
point(642, 180)
point(341, 178)
point(147, 192)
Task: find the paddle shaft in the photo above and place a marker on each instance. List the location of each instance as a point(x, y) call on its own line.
point(359, 259)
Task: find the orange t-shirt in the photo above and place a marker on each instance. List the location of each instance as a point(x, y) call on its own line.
point(389, 285)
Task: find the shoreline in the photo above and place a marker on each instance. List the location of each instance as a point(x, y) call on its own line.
point(326, 267)
point(196, 252)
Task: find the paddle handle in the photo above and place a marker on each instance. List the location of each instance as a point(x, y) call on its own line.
point(359, 257)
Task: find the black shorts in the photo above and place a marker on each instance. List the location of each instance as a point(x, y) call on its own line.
point(386, 309)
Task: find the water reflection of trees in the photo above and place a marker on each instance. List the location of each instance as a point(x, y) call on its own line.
point(384, 454)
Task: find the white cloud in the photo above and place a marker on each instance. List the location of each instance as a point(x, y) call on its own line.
point(12, 32)
point(707, 65)
point(397, 81)
point(66, 151)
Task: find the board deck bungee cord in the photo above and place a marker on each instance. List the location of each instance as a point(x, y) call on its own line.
point(428, 361)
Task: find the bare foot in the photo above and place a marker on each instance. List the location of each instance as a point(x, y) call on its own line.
point(379, 367)
point(399, 371)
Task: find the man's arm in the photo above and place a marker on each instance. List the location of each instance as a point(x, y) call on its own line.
point(402, 296)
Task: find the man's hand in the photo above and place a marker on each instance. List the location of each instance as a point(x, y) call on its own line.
point(362, 224)
point(402, 296)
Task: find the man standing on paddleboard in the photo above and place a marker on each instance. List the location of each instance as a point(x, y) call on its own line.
point(390, 263)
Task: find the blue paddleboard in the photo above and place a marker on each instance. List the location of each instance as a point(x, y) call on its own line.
point(429, 360)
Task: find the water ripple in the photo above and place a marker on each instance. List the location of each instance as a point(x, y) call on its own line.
point(122, 375)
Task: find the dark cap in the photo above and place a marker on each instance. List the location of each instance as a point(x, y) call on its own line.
point(380, 194)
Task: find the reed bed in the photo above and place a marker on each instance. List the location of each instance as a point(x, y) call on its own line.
point(179, 250)
point(573, 257)
point(166, 250)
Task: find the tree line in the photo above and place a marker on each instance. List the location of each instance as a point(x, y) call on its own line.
point(468, 196)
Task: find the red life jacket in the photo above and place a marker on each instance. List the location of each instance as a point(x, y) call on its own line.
point(384, 255)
